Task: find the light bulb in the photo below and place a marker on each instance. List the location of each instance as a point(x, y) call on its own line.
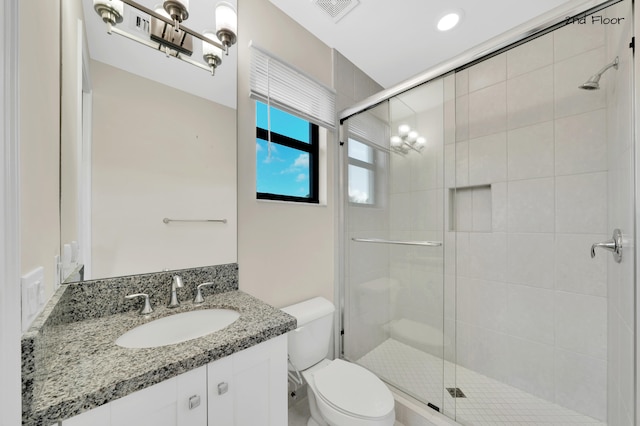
point(412, 136)
point(396, 141)
point(448, 21)
point(208, 48)
point(403, 130)
point(226, 23)
point(421, 141)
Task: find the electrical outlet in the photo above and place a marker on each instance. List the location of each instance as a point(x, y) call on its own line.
point(32, 286)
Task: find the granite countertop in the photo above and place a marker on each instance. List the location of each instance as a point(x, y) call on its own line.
point(84, 368)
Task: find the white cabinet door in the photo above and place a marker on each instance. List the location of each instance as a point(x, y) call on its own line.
point(260, 383)
point(100, 416)
point(153, 406)
point(192, 397)
point(221, 391)
point(249, 388)
point(164, 404)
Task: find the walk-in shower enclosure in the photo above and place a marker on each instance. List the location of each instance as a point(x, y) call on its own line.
point(471, 202)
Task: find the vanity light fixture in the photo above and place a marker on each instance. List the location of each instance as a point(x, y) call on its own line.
point(170, 36)
point(407, 139)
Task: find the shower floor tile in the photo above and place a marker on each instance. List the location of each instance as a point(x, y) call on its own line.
point(487, 402)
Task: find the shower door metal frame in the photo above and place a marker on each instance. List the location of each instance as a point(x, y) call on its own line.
point(550, 21)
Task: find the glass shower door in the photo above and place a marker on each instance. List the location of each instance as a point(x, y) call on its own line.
point(393, 161)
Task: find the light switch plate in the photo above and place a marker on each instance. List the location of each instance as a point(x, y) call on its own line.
point(32, 285)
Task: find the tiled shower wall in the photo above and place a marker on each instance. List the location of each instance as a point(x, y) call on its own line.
point(530, 161)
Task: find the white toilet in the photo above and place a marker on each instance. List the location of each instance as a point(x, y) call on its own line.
point(340, 393)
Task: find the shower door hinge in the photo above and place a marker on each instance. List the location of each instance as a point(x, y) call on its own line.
point(341, 134)
point(632, 45)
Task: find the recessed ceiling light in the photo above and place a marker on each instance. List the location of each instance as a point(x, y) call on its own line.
point(449, 21)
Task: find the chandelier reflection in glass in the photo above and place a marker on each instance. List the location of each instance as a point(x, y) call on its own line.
point(167, 33)
point(407, 139)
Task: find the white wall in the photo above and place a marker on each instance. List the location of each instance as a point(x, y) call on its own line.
point(159, 152)
point(285, 250)
point(10, 400)
point(531, 303)
point(39, 137)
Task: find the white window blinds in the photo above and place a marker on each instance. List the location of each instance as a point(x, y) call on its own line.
point(367, 127)
point(279, 84)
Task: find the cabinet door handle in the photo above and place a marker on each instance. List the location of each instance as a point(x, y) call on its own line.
point(223, 388)
point(194, 402)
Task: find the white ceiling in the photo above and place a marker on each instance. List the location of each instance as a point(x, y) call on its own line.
point(392, 41)
point(138, 59)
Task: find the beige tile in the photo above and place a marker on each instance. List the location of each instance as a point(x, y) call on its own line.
point(488, 159)
point(530, 56)
point(530, 98)
point(531, 151)
point(581, 203)
point(488, 72)
point(488, 110)
point(581, 143)
point(577, 38)
point(531, 205)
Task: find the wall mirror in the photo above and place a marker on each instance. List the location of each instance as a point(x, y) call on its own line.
point(144, 137)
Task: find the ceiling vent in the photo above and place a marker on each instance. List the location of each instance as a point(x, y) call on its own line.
point(336, 9)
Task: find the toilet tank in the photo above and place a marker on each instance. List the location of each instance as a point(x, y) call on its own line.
point(309, 343)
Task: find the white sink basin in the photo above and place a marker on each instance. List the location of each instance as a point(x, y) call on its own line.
point(177, 328)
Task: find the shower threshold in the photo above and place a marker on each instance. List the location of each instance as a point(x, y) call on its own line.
point(486, 401)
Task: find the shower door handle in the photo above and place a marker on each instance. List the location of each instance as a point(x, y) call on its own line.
point(614, 245)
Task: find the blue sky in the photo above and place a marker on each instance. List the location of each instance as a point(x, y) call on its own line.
point(280, 169)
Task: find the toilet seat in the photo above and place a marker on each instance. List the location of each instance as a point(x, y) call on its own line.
point(353, 390)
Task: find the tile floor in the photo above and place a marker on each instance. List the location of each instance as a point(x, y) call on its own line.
point(488, 401)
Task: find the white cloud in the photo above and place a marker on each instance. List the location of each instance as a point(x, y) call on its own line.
point(356, 196)
point(302, 161)
point(301, 177)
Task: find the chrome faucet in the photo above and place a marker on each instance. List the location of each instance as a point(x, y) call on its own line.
point(175, 284)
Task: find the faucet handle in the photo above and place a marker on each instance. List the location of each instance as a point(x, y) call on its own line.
point(146, 309)
point(176, 282)
point(199, 298)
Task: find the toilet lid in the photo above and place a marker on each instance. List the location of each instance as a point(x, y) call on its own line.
point(353, 389)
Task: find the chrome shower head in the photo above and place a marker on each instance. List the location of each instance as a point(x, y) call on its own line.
point(594, 81)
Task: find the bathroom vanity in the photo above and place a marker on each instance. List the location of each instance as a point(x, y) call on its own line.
point(75, 373)
point(245, 388)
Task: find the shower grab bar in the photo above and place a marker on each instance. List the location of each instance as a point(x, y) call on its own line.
point(404, 243)
point(167, 220)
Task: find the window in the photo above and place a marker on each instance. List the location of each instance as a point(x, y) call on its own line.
point(286, 162)
point(362, 167)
